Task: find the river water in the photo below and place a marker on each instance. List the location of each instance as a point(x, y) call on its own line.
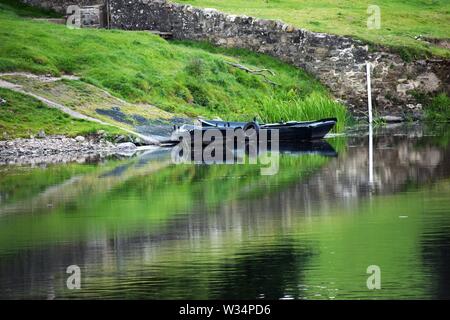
point(146, 228)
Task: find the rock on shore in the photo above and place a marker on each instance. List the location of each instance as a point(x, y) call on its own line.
point(55, 149)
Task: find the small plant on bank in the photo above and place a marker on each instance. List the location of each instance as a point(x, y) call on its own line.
point(438, 110)
point(196, 67)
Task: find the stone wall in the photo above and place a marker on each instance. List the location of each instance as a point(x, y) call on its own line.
point(337, 61)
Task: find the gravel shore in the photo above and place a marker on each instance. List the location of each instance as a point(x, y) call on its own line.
point(60, 149)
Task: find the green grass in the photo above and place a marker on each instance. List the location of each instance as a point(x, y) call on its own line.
point(87, 99)
point(313, 106)
point(401, 20)
point(22, 116)
point(180, 77)
point(438, 110)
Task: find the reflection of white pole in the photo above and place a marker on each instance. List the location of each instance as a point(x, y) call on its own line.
point(369, 92)
point(370, 155)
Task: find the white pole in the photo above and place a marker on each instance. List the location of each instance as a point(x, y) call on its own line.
point(369, 103)
point(369, 92)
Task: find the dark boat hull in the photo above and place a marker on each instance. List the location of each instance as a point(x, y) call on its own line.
point(291, 131)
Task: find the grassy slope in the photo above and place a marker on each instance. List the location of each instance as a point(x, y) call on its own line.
point(180, 77)
point(88, 99)
point(401, 20)
point(22, 116)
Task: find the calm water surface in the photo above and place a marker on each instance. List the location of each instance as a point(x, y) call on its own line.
point(146, 228)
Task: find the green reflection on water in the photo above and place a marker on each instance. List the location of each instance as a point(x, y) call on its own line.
point(320, 253)
point(79, 202)
point(319, 257)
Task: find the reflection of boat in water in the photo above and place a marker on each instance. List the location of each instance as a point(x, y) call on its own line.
point(287, 131)
point(218, 153)
point(319, 147)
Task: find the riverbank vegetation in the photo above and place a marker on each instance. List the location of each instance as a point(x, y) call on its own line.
point(438, 109)
point(411, 28)
point(180, 77)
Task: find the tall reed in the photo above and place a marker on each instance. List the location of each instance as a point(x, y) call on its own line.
point(312, 107)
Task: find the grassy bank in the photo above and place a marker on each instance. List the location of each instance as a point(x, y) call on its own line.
point(22, 116)
point(438, 109)
point(180, 77)
point(401, 21)
point(90, 101)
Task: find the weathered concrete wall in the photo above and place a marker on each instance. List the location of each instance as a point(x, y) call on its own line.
point(92, 12)
point(339, 62)
point(61, 5)
point(93, 16)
